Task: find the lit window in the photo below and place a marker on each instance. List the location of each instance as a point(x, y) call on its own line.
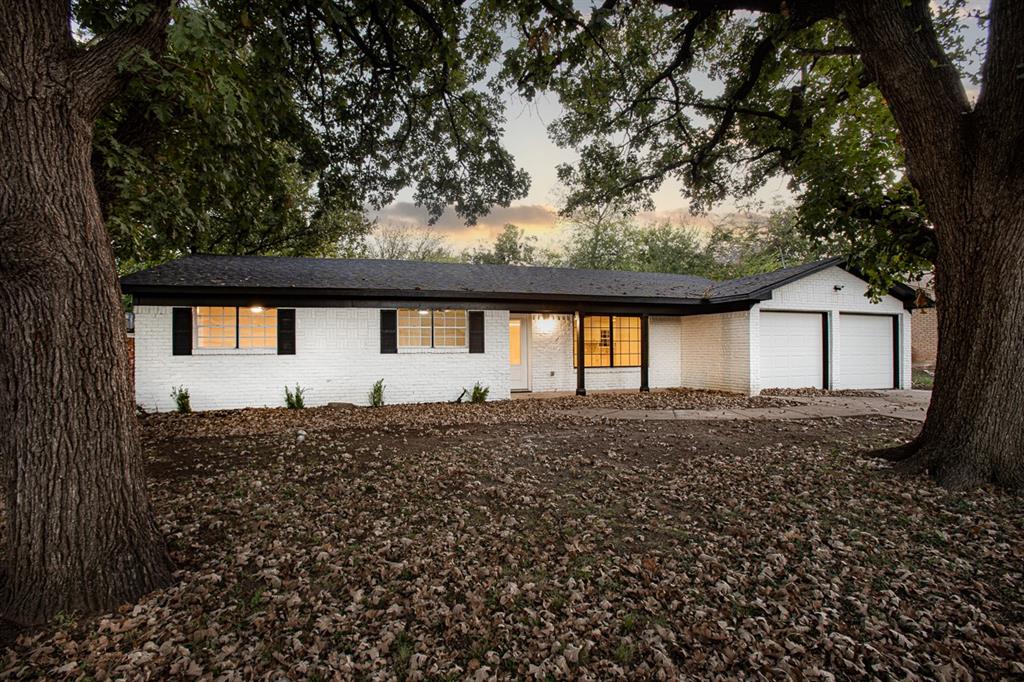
point(431, 328)
point(449, 328)
point(608, 341)
point(414, 328)
point(627, 341)
point(257, 327)
point(216, 327)
point(230, 327)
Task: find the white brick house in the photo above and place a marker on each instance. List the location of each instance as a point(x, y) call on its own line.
point(236, 330)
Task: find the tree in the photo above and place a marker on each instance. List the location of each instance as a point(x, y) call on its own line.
point(763, 246)
point(863, 104)
point(512, 247)
point(206, 151)
point(597, 240)
point(385, 97)
point(404, 242)
point(665, 247)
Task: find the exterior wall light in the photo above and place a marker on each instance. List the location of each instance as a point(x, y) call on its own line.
point(546, 324)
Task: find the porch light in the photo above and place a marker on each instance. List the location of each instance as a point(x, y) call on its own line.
point(256, 309)
point(546, 324)
point(424, 312)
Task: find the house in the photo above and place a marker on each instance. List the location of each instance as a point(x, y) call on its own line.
point(236, 330)
point(925, 339)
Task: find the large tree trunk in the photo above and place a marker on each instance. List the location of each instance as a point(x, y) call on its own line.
point(80, 531)
point(967, 163)
point(974, 432)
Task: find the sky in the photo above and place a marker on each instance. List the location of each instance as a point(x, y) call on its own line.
point(527, 140)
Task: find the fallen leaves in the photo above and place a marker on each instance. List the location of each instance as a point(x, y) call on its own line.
point(514, 541)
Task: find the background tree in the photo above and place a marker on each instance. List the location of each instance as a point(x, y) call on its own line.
point(511, 247)
point(383, 97)
point(405, 242)
point(763, 245)
point(863, 104)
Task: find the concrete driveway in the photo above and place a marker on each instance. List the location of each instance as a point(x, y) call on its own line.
point(912, 405)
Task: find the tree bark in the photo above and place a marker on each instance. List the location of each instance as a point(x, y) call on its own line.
point(80, 531)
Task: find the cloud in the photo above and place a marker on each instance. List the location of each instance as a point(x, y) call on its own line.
point(536, 219)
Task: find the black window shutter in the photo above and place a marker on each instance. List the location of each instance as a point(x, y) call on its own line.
point(286, 331)
point(181, 331)
point(476, 331)
point(389, 331)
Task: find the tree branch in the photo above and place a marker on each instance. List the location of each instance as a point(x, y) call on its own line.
point(921, 85)
point(1001, 99)
point(808, 10)
point(97, 70)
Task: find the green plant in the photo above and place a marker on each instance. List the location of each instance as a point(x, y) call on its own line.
point(294, 400)
point(377, 393)
point(181, 399)
point(479, 394)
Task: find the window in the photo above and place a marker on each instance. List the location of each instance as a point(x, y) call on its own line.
point(229, 327)
point(215, 327)
point(257, 327)
point(413, 328)
point(626, 352)
point(449, 328)
point(608, 341)
point(431, 328)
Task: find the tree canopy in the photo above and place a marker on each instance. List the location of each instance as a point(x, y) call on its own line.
point(720, 101)
point(270, 129)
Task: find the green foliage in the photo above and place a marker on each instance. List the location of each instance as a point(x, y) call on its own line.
point(295, 400)
point(512, 247)
point(479, 393)
point(377, 394)
point(181, 398)
point(268, 128)
point(614, 241)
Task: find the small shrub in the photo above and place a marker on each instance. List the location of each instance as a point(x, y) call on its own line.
point(294, 400)
point(479, 394)
point(181, 399)
point(377, 394)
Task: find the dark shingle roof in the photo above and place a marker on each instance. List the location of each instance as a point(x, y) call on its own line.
point(766, 281)
point(394, 276)
point(206, 274)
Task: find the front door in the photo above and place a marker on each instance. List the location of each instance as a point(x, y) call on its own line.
point(519, 352)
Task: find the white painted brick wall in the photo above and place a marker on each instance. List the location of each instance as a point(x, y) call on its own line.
point(337, 359)
point(666, 349)
point(818, 293)
point(715, 351)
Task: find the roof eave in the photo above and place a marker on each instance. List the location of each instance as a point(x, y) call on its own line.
point(419, 294)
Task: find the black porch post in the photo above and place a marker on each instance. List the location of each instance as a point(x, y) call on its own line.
point(645, 355)
point(581, 388)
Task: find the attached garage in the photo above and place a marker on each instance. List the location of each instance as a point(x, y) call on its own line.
point(866, 345)
point(792, 350)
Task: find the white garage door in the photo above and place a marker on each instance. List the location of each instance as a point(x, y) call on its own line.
point(791, 350)
point(865, 351)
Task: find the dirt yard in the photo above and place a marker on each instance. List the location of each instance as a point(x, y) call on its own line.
point(513, 540)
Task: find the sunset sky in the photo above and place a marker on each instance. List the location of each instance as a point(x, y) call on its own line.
point(527, 139)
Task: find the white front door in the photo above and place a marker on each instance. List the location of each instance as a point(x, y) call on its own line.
point(519, 352)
